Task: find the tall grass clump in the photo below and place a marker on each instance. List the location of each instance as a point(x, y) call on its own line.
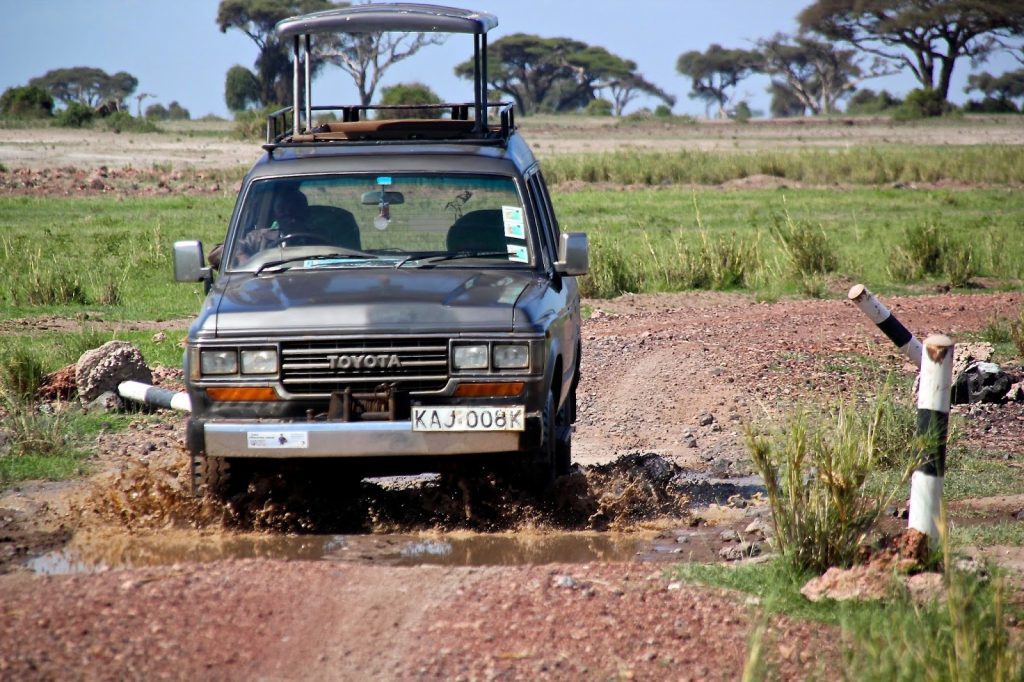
point(611, 273)
point(961, 638)
point(805, 246)
point(725, 262)
point(816, 473)
point(926, 251)
point(1017, 333)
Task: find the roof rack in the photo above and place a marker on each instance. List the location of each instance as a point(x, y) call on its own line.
point(377, 18)
point(448, 123)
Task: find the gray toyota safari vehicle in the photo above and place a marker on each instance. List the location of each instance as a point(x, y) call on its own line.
point(394, 293)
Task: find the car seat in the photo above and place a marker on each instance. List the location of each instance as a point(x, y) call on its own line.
point(336, 225)
point(481, 230)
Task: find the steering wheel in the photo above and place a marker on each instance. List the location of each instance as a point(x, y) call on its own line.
point(303, 239)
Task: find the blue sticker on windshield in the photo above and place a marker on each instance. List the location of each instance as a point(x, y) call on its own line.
point(384, 180)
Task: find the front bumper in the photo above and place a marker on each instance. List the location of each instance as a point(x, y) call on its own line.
point(281, 440)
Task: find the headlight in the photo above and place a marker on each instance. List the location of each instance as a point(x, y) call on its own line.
point(262, 361)
point(470, 357)
point(511, 356)
point(219, 361)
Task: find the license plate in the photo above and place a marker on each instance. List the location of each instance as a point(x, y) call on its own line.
point(468, 418)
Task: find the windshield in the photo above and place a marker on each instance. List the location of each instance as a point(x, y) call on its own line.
point(381, 221)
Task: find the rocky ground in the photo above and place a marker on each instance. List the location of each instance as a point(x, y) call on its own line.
point(146, 583)
point(680, 376)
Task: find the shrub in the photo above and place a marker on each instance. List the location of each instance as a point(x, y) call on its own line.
point(927, 252)
point(599, 107)
point(816, 473)
point(806, 247)
point(124, 122)
point(75, 115)
point(1017, 333)
point(663, 111)
point(867, 101)
point(922, 103)
point(27, 101)
point(611, 273)
point(405, 94)
point(252, 124)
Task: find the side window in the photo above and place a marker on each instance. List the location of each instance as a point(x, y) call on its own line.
point(549, 206)
point(542, 209)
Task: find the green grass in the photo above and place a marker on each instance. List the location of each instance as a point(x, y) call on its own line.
point(969, 473)
point(987, 534)
point(859, 165)
point(851, 233)
point(108, 256)
point(965, 639)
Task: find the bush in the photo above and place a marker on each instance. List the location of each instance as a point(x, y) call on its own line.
point(816, 474)
point(922, 103)
point(742, 113)
point(26, 101)
point(927, 252)
point(611, 273)
point(404, 94)
point(599, 107)
point(663, 111)
point(252, 124)
point(1017, 333)
point(123, 122)
point(991, 105)
point(806, 247)
point(75, 115)
point(867, 101)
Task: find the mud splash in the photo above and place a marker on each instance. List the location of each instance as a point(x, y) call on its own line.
point(629, 492)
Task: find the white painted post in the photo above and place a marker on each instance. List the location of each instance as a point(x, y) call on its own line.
point(886, 322)
point(933, 425)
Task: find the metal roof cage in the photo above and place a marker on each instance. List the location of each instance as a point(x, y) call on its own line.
point(459, 122)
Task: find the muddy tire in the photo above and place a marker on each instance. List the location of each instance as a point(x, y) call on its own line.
point(214, 476)
point(534, 472)
point(563, 435)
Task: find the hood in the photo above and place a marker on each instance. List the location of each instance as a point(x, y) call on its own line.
point(368, 301)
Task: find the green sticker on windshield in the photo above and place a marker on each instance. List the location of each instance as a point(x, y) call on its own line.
point(512, 217)
point(518, 254)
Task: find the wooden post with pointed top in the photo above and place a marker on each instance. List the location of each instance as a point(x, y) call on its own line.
point(933, 427)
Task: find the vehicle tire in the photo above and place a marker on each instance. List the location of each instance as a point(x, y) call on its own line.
point(215, 476)
point(537, 475)
point(563, 435)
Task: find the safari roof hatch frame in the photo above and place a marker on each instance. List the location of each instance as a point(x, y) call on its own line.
point(380, 18)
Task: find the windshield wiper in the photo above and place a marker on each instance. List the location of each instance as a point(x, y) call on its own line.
point(347, 253)
point(438, 258)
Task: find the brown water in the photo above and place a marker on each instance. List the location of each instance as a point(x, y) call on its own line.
point(96, 551)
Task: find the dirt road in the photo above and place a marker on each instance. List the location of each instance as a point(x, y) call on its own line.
point(678, 375)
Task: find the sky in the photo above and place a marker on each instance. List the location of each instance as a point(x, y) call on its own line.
point(177, 52)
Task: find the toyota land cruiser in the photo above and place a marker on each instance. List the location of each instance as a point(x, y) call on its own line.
point(394, 292)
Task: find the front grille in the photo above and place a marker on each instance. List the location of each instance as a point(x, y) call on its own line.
point(324, 367)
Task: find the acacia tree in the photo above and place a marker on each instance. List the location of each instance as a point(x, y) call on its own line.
point(926, 36)
point(273, 68)
point(241, 88)
point(1005, 87)
point(87, 86)
point(817, 73)
point(559, 74)
point(716, 71)
point(366, 56)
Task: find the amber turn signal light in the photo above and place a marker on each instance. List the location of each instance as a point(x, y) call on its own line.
point(489, 390)
point(241, 393)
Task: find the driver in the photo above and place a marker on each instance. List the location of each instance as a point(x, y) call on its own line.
point(289, 212)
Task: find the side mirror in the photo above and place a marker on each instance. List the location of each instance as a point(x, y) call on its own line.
point(189, 264)
point(573, 254)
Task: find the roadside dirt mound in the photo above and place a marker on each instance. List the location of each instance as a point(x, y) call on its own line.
point(308, 499)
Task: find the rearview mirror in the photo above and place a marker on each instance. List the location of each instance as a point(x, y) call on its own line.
point(377, 198)
point(573, 254)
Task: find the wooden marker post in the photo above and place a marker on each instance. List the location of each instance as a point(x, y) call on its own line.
point(933, 426)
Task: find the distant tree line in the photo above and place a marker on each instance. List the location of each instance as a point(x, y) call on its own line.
point(839, 46)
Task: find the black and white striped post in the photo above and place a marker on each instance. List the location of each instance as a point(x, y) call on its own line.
point(933, 427)
point(886, 322)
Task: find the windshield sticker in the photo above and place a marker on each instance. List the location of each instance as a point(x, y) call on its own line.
point(384, 180)
point(512, 217)
point(518, 254)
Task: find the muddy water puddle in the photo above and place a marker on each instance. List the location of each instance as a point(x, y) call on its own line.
point(99, 551)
